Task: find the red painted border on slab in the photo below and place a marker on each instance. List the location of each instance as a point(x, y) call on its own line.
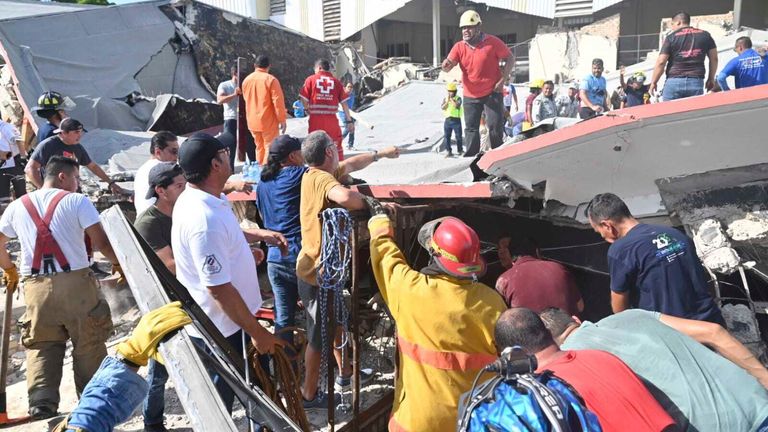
point(624, 117)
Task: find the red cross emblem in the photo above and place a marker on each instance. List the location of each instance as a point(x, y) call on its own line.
point(325, 84)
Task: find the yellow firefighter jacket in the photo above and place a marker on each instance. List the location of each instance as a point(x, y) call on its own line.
point(444, 331)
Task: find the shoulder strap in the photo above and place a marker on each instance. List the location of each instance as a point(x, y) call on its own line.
point(45, 243)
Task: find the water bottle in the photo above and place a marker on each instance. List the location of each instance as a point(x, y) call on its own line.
point(254, 172)
point(246, 167)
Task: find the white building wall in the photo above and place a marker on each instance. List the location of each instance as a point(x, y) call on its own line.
point(247, 8)
point(358, 14)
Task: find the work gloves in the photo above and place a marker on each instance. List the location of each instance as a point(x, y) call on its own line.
point(374, 206)
point(11, 278)
point(380, 226)
point(151, 329)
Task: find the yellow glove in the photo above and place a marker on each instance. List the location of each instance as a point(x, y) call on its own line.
point(150, 330)
point(11, 278)
point(380, 226)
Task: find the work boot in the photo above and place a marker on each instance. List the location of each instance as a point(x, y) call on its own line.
point(42, 412)
point(345, 383)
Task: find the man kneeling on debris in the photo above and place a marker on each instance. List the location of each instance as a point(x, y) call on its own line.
point(700, 389)
point(61, 294)
point(444, 319)
point(116, 388)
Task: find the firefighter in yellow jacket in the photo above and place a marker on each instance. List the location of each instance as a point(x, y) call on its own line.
point(444, 316)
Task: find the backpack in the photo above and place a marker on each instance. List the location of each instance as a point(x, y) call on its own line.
point(526, 402)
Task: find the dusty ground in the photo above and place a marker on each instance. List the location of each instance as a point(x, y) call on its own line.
point(378, 349)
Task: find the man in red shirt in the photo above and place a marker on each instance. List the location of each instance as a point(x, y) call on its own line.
point(609, 387)
point(535, 283)
point(321, 95)
point(478, 55)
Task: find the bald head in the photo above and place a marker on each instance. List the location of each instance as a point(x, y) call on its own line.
point(522, 327)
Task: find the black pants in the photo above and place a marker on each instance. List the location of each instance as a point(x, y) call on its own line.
point(13, 177)
point(493, 105)
point(250, 147)
point(587, 113)
point(452, 125)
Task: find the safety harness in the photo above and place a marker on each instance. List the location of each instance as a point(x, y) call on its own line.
point(46, 247)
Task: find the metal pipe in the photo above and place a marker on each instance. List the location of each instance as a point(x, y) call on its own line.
point(435, 33)
point(736, 14)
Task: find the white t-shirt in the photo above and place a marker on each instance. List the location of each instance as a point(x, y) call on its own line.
point(8, 135)
point(210, 249)
point(141, 186)
point(73, 215)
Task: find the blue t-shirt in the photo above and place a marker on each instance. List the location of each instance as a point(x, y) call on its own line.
point(278, 200)
point(45, 131)
point(748, 69)
point(661, 264)
point(595, 88)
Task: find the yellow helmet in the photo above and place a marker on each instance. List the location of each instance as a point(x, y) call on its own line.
point(451, 86)
point(470, 18)
point(537, 83)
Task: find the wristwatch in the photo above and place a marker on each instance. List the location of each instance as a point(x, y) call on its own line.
point(375, 155)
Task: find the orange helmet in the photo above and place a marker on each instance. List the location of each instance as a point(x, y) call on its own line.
point(454, 245)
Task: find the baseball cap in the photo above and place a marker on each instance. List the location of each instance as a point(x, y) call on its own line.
point(198, 151)
point(283, 146)
point(69, 125)
point(573, 85)
point(162, 175)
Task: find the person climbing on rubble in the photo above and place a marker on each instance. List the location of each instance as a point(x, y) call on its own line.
point(683, 53)
point(322, 94)
point(701, 389)
point(166, 182)
point(163, 147)
point(264, 107)
point(444, 319)
point(345, 131)
point(568, 104)
point(535, 90)
point(65, 143)
point(544, 106)
point(452, 110)
point(635, 91)
point(320, 189)
point(211, 253)
point(608, 386)
point(53, 107)
point(61, 294)
point(533, 282)
point(478, 55)
point(658, 262)
point(116, 389)
point(593, 92)
point(749, 68)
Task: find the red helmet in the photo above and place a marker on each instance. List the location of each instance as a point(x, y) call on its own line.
point(455, 246)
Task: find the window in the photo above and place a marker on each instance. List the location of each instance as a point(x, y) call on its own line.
point(277, 7)
point(398, 50)
point(508, 38)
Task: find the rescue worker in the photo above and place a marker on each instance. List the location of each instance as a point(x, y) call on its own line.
point(749, 68)
point(535, 90)
point(53, 107)
point(478, 55)
point(544, 105)
point(264, 107)
point(444, 319)
point(321, 94)
point(451, 107)
point(61, 294)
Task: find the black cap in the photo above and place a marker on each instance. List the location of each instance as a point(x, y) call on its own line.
point(283, 146)
point(197, 152)
point(69, 125)
point(162, 175)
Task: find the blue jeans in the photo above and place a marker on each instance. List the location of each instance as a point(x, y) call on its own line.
point(678, 88)
point(452, 124)
point(282, 277)
point(344, 133)
point(154, 404)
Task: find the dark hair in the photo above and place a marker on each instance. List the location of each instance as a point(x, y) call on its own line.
point(683, 17)
point(549, 82)
point(60, 164)
point(161, 140)
point(607, 206)
point(262, 61)
point(272, 168)
point(522, 245)
point(313, 147)
point(233, 70)
point(323, 64)
point(744, 41)
point(556, 320)
point(47, 113)
point(522, 327)
point(597, 62)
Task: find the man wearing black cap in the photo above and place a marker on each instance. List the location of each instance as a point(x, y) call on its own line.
point(211, 252)
point(166, 183)
point(65, 143)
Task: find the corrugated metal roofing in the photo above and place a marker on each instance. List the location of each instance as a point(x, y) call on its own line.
point(542, 8)
point(602, 4)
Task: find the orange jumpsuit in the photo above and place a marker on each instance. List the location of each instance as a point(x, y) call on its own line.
point(324, 93)
point(264, 109)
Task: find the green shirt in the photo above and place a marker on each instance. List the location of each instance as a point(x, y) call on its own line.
point(700, 389)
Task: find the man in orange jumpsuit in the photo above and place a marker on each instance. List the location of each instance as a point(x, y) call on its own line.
point(264, 107)
point(321, 94)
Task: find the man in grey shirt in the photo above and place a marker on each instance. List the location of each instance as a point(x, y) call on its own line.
point(702, 390)
point(228, 95)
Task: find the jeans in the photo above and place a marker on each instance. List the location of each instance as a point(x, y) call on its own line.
point(344, 133)
point(282, 277)
point(154, 404)
point(230, 126)
point(682, 87)
point(493, 106)
point(452, 124)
